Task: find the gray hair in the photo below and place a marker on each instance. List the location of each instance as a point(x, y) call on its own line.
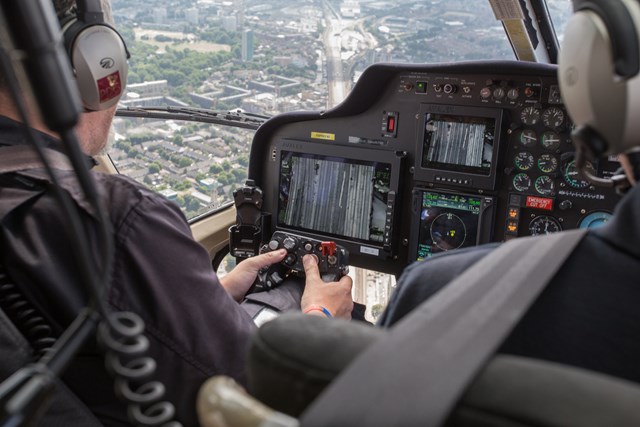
point(64, 6)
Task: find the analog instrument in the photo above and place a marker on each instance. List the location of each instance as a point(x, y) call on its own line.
point(573, 176)
point(521, 182)
point(544, 225)
point(550, 140)
point(530, 115)
point(528, 137)
point(594, 219)
point(544, 185)
point(524, 160)
point(547, 163)
point(553, 117)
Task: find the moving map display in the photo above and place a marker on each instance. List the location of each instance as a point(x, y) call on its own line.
point(447, 221)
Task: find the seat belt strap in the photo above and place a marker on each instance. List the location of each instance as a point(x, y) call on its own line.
point(22, 157)
point(417, 373)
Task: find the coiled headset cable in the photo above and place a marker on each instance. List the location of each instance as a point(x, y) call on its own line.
point(120, 333)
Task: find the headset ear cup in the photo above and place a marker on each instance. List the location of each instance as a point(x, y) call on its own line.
point(599, 82)
point(99, 59)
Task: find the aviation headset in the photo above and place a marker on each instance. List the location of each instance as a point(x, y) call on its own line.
point(599, 66)
point(98, 55)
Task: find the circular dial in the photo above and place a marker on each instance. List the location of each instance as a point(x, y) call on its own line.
point(553, 117)
point(521, 182)
point(524, 160)
point(550, 140)
point(448, 231)
point(594, 219)
point(513, 94)
point(498, 93)
point(572, 175)
point(530, 115)
point(544, 185)
point(528, 138)
point(547, 163)
point(485, 92)
point(544, 225)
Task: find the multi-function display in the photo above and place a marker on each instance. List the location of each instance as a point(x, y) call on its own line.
point(458, 143)
point(447, 221)
point(335, 196)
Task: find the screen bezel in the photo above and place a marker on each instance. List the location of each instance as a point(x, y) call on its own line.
point(383, 250)
point(454, 177)
point(485, 217)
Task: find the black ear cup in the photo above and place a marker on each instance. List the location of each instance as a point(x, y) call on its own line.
point(99, 56)
point(599, 66)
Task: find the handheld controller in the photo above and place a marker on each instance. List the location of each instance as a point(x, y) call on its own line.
point(333, 260)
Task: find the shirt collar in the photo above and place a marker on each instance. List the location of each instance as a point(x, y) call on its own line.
point(12, 133)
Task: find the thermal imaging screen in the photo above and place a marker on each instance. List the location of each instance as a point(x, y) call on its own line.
point(447, 221)
point(334, 196)
point(458, 143)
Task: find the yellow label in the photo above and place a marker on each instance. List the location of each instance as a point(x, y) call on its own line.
point(322, 135)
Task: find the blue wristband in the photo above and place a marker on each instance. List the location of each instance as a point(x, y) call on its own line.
point(318, 308)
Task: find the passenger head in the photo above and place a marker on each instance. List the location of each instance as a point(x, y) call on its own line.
point(99, 60)
point(599, 75)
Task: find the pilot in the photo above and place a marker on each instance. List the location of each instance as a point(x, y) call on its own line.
point(193, 320)
point(588, 315)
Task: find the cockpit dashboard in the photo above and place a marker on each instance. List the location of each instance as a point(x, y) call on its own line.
point(423, 159)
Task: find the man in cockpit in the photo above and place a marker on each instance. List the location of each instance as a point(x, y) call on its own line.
point(193, 320)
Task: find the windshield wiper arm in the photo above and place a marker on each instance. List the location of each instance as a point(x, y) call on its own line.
point(203, 115)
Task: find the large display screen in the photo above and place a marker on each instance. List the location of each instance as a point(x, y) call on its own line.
point(458, 143)
point(334, 196)
point(447, 221)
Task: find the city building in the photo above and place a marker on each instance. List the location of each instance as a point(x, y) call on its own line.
point(160, 15)
point(191, 15)
point(247, 45)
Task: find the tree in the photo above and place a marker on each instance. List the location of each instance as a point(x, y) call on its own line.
point(376, 310)
point(215, 169)
point(154, 168)
point(184, 162)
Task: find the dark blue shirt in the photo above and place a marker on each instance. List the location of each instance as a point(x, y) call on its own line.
point(588, 316)
point(159, 272)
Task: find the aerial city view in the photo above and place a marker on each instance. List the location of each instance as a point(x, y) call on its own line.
point(265, 57)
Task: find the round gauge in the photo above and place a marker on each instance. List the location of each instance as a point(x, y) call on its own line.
point(448, 231)
point(530, 115)
point(550, 140)
point(528, 138)
point(547, 163)
point(544, 185)
point(521, 182)
point(513, 94)
point(552, 117)
point(523, 160)
point(498, 93)
point(485, 92)
point(544, 225)
point(594, 219)
point(573, 176)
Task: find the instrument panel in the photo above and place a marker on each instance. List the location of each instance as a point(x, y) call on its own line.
point(424, 159)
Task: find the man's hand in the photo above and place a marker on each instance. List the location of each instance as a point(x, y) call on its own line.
point(240, 279)
point(334, 296)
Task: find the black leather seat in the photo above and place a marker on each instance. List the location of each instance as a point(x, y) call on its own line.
point(294, 357)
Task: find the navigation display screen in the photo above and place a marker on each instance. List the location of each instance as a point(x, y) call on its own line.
point(458, 143)
point(447, 221)
point(334, 195)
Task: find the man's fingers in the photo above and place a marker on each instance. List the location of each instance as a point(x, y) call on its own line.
point(311, 271)
point(266, 259)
